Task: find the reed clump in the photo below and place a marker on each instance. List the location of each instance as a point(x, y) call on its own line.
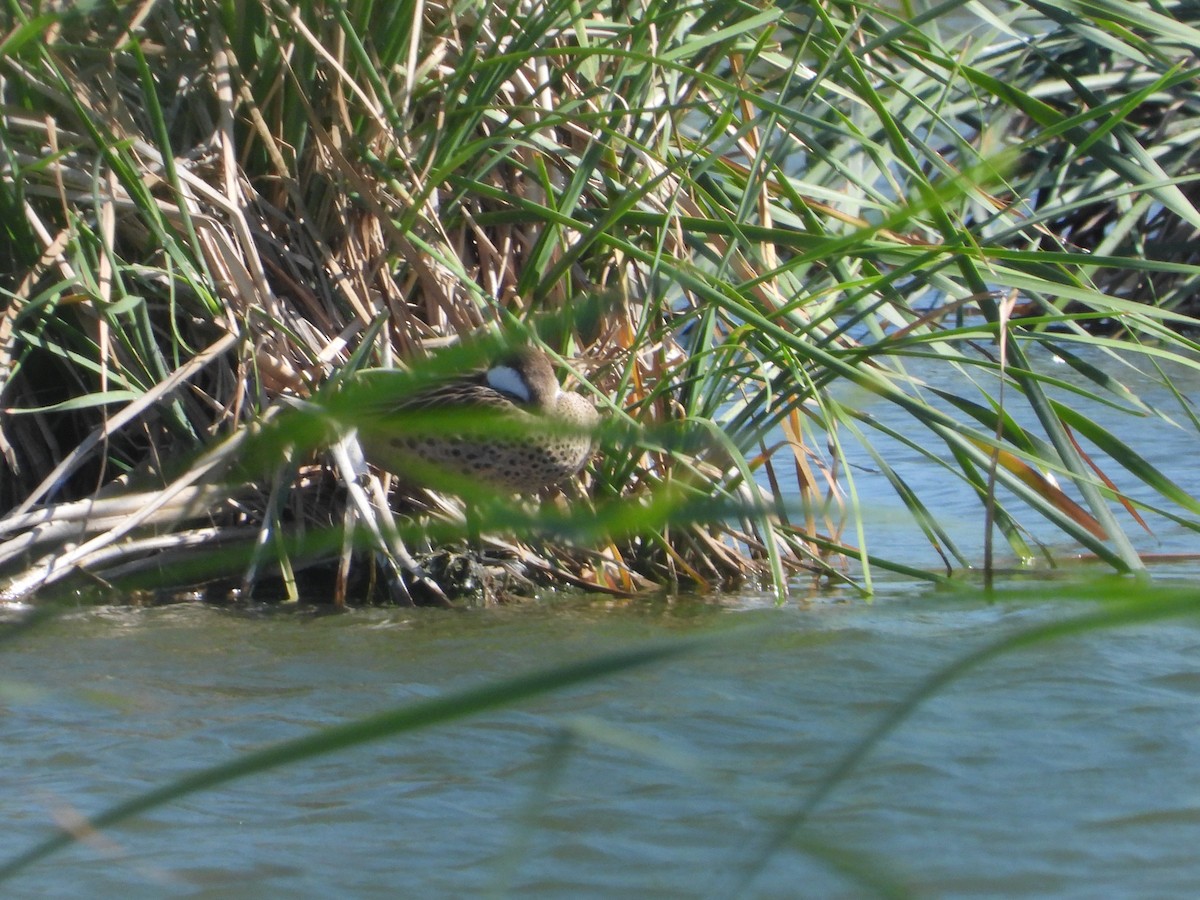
point(715, 219)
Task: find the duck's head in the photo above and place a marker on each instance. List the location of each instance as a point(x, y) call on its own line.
point(528, 378)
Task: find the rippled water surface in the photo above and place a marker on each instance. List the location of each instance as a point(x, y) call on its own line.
point(1068, 768)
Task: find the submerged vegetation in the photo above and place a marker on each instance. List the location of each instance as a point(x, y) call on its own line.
point(717, 218)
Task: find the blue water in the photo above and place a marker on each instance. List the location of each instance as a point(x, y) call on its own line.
point(1164, 438)
point(1064, 769)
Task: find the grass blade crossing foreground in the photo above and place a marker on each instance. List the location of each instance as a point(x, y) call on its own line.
point(381, 725)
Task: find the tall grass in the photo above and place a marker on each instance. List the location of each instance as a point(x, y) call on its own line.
point(717, 217)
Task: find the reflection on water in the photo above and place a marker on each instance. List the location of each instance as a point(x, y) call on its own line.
point(1045, 772)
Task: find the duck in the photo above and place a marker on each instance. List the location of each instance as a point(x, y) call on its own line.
point(510, 427)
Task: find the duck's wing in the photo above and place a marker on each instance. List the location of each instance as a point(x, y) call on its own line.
point(459, 393)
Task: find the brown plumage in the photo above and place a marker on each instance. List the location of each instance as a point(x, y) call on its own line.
point(529, 433)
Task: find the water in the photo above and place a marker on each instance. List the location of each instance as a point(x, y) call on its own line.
point(1166, 442)
point(1052, 771)
point(1063, 769)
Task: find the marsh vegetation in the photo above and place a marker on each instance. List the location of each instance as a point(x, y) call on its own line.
point(714, 217)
